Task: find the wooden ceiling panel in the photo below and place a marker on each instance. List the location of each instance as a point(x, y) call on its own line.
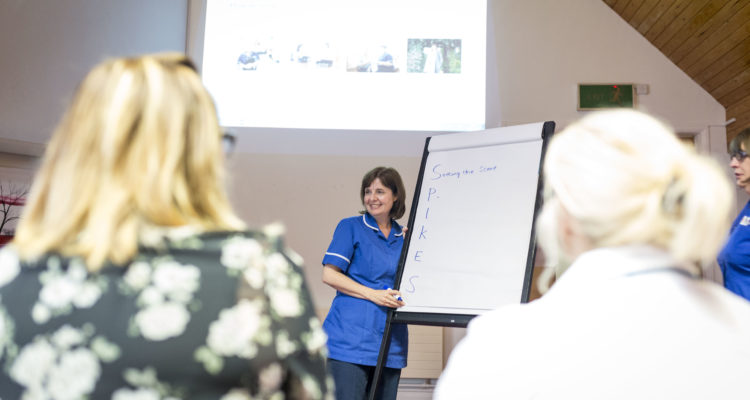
point(629, 11)
point(694, 16)
point(741, 108)
point(708, 39)
point(742, 112)
point(721, 40)
point(653, 17)
point(614, 4)
point(725, 68)
point(736, 80)
point(705, 30)
point(738, 94)
point(663, 26)
point(643, 11)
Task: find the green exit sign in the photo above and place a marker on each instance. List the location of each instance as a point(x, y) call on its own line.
point(597, 97)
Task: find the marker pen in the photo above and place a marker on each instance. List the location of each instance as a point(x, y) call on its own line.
point(386, 287)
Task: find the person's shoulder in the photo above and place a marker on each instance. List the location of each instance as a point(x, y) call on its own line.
point(497, 318)
point(355, 219)
point(220, 238)
point(351, 222)
point(186, 241)
point(248, 247)
point(269, 237)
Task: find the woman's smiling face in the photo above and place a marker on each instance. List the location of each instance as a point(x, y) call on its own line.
point(378, 199)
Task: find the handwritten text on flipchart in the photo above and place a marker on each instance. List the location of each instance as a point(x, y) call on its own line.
point(439, 174)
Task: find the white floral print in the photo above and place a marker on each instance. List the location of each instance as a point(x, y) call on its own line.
point(150, 296)
point(166, 291)
point(88, 295)
point(40, 313)
point(173, 310)
point(74, 375)
point(233, 333)
point(277, 265)
point(240, 253)
point(162, 321)
point(9, 265)
point(180, 236)
point(136, 394)
point(104, 349)
point(237, 394)
point(33, 363)
point(146, 386)
point(274, 231)
point(138, 275)
point(315, 338)
point(177, 281)
point(7, 329)
point(59, 366)
point(286, 302)
point(59, 291)
point(67, 337)
point(62, 290)
point(254, 277)
point(284, 345)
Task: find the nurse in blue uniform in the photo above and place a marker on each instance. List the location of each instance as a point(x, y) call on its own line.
point(360, 264)
point(734, 259)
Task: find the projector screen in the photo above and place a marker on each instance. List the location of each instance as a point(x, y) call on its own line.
point(408, 65)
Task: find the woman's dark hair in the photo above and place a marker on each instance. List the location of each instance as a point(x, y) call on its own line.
point(742, 137)
point(390, 178)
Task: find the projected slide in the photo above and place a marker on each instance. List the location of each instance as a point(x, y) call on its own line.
point(347, 64)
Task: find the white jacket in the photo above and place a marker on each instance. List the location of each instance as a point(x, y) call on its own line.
point(621, 323)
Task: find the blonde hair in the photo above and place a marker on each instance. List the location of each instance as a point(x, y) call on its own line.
point(625, 178)
point(139, 146)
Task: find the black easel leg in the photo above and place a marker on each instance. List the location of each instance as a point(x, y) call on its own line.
point(384, 345)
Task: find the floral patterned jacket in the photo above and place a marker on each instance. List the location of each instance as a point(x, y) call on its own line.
point(193, 316)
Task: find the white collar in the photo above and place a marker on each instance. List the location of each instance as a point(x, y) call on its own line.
point(376, 229)
point(615, 262)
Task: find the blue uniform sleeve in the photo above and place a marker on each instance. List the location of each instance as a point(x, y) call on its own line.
point(341, 249)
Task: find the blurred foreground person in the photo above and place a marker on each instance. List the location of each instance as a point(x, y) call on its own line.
point(131, 277)
point(632, 212)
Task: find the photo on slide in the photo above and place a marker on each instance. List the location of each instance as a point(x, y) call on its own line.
point(434, 56)
point(377, 58)
point(287, 55)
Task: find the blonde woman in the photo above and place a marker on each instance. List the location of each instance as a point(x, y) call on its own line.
point(123, 279)
point(630, 214)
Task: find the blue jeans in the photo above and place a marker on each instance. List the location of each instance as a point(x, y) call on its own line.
point(353, 381)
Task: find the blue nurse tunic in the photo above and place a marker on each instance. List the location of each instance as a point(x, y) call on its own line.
point(355, 326)
point(734, 259)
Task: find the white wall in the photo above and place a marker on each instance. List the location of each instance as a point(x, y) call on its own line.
point(309, 194)
point(544, 48)
point(538, 51)
point(47, 47)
